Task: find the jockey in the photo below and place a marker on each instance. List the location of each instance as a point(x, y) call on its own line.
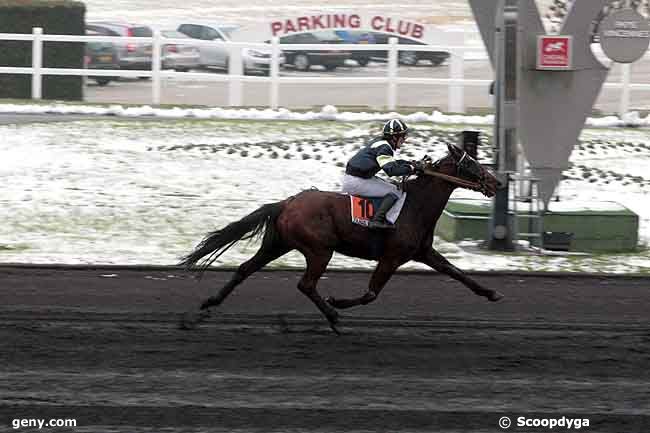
point(377, 155)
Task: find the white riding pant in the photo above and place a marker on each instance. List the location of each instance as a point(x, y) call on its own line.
point(374, 187)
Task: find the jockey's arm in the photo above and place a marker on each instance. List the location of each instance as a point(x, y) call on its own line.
point(395, 167)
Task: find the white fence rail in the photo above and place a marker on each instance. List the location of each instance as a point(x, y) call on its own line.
point(235, 77)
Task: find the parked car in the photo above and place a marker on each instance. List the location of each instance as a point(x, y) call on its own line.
point(180, 57)
point(357, 37)
point(404, 57)
point(130, 55)
point(217, 55)
point(100, 55)
point(304, 59)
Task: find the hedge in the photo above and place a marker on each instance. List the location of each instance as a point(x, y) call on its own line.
point(62, 17)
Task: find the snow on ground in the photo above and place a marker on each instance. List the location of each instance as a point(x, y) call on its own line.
point(110, 190)
point(328, 112)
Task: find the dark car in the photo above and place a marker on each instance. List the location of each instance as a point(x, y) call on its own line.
point(130, 55)
point(100, 55)
point(304, 59)
point(358, 37)
point(404, 57)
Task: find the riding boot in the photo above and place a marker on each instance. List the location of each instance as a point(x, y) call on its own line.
point(379, 220)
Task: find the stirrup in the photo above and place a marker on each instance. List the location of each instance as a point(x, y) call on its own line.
point(380, 225)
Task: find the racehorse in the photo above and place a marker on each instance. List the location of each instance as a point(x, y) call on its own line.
point(318, 223)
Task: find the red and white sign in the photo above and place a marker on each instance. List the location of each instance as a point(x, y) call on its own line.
point(554, 52)
point(379, 23)
point(392, 25)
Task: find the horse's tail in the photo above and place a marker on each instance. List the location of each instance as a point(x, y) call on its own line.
point(218, 242)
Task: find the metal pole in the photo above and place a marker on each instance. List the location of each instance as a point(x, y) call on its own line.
point(392, 74)
point(156, 59)
point(624, 106)
point(37, 63)
point(274, 73)
point(505, 128)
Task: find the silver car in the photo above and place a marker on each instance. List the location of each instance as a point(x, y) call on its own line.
point(130, 55)
point(180, 57)
point(217, 54)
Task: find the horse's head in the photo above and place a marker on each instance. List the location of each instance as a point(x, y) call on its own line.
point(462, 166)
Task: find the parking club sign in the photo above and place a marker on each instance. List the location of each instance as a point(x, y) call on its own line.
point(554, 52)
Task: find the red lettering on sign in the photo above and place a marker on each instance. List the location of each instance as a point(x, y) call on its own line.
point(289, 27)
point(339, 21)
point(316, 22)
point(388, 28)
point(377, 23)
point(418, 31)
point(303, 24)
point(276, 26)
point(354, 21)
point(403, 28)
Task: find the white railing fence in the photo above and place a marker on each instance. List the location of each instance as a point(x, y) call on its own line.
point(236, 78)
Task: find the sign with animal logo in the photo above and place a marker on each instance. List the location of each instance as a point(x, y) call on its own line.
point(554, 52)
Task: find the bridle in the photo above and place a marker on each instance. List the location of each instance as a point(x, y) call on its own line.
point(476, 186)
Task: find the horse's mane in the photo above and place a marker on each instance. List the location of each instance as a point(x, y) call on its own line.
point(432, 165)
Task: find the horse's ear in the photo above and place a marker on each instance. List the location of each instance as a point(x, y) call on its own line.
point(453, 149)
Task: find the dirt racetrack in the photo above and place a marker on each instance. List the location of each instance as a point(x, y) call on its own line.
point(101, 345)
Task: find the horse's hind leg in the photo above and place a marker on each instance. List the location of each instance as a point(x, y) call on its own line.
point(316, 266)
point(435, 260)
point(266, 254)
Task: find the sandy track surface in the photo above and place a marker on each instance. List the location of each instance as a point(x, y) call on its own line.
point(101, 345)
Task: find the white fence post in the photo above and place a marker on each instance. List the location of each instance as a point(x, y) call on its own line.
point(274, 73)
point(624, 106)
point(392, 74)
point(37, 63)
point(235, 70)
point(457, 72)
point(156, 58)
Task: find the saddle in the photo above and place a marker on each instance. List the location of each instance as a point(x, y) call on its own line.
point(362, 209)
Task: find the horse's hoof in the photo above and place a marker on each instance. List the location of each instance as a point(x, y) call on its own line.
point(187, 322)
point(331, 301)
point(206, 304)
point(495, 296)
point(333, 322)
point(191, 319)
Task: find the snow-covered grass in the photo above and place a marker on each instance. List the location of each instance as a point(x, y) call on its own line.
point(328, 112)
point(127, 191)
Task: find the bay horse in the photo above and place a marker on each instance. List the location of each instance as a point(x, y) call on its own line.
point(318, 223)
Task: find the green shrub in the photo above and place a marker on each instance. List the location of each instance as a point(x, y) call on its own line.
point(61, 17)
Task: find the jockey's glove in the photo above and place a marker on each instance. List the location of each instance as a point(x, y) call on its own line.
point(418, 167)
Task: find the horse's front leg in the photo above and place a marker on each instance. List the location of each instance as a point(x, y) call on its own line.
point(339, 303)
point(435, 260)
point(385, 269)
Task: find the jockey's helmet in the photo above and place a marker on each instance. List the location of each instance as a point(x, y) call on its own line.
point(395, 127)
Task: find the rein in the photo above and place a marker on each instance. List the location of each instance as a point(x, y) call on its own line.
point(455, 180)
